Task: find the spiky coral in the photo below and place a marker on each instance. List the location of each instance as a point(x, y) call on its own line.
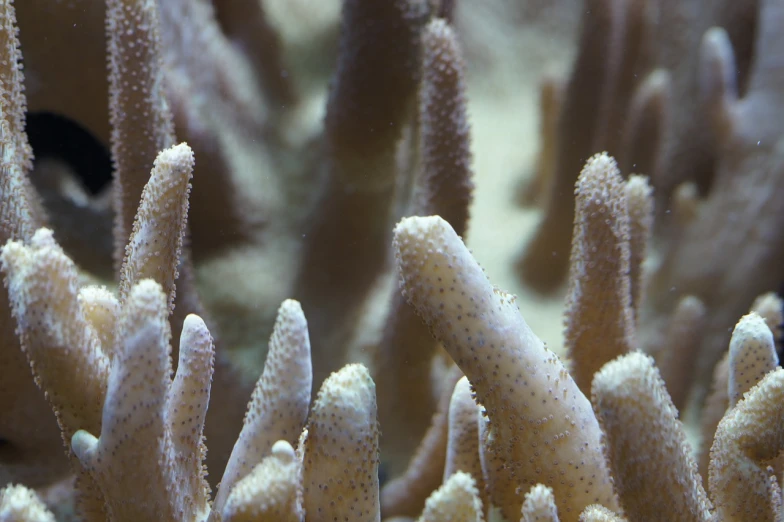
point(217, 103)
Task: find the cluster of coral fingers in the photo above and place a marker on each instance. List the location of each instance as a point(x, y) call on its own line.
point(398, 382)
point(521, 440)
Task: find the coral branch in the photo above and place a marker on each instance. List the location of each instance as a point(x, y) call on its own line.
point(747, 440)
point(26, 423)
point(443, 187)
point(339, 449)
point(136, 461)
point(599, 315)
point(64, 352)
point(279, 405)
point(155, 245)
point(371, 100)
point(141, 119)
point(19, 504)
point(186, 409)
point(645, 443)
point(462, 450)
point(543, 429)
point(639, 204)
point(271, 492)
point(677, 361)
point(456, 501)
point(752, 355)
point(539, 505)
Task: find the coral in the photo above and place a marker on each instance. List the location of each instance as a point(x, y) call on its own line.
point(219, 238)
point(457, 500)
point(539, 505)
point(644, 444)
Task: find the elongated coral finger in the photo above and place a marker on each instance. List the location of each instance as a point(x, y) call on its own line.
point(462, 450)
point(543, 428)
point(599, 317)
point(649, 118)
point(749, 437)
point(141, 118)
point(646, 444)
point(444, 187)
point(134, 461)
point(678, 358)
point(186, 409)
point(339, 450)
point(155, 242)
point(639, 203)
point(279, 405)
point(752, 355)
point(65, 354)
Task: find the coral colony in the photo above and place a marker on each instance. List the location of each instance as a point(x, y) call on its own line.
point(316, 279)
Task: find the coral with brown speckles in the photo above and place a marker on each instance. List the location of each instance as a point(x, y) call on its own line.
point(171, 171)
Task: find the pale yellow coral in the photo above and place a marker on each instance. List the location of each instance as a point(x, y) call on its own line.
point(271, 492)
point(539, 505)
point(456, 501)
point(19, 504)
point(279, 405)
point(159, 450)
point(155, 243)
point(339, 449)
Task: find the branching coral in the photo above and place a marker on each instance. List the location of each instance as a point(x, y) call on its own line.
point(643, 441)
point(435, 400)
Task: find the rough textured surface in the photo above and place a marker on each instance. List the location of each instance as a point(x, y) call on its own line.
point(530, 399)
point(271, 492)
point(748, 441)
point(693, 108)
point(645, 443)
point(752, 355)
point(19, 504)
point(456, 501)
point(599, 317)
point(539, 505)
point(279, 405)
point(339, 449)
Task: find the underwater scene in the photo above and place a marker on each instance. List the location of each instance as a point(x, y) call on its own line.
point(391, 260)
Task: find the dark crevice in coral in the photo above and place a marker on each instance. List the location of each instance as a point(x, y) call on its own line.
point(56, 137)
point(72, 173)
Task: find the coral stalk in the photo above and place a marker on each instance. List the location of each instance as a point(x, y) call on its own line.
point(542, 428)
point(645, 443)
